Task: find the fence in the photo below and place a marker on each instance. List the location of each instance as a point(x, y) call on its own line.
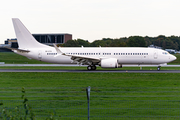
point(105, 103)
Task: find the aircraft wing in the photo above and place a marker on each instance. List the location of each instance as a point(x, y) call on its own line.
point(85, 60)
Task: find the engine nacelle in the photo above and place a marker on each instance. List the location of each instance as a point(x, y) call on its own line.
point(110, 63)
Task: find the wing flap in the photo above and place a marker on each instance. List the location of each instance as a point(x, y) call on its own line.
point(83, 57)
point(85, 60)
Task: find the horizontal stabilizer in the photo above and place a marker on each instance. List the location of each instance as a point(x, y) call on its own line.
point(18, 50)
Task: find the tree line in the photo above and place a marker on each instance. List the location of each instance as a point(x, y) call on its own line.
point(172, 42)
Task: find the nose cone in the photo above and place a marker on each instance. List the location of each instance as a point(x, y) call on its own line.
point(172, 57)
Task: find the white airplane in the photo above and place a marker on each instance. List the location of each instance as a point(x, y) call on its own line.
point(106, 57)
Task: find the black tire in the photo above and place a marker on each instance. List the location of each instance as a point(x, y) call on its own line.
point(93, 67)
point(158, 68)
point(89, 67)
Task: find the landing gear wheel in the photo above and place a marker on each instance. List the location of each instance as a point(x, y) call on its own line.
point(158, 68)
point(91, 67)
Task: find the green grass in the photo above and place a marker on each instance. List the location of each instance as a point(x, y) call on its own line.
point(122, 95)
point(12, 58)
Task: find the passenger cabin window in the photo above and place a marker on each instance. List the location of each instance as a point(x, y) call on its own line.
point(129, 54)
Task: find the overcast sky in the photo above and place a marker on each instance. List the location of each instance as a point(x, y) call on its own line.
point(92, 19)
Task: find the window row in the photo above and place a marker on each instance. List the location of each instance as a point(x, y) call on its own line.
point(106, 53)
point(83, 53)
point(102, 53)
point(130, 53)
point(51, 53)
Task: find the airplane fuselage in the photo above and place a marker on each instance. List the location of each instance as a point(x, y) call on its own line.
point(124, 55)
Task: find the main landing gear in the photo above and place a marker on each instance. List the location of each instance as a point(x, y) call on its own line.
point(91, 67)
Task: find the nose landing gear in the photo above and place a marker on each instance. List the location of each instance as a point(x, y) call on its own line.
point(158, 68)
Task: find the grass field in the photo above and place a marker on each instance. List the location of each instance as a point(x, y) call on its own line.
point(12, 58)
point(114, 96)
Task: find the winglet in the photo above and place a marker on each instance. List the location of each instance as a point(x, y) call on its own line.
point(59, 52)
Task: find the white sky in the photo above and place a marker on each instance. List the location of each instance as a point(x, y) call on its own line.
point(92, 19)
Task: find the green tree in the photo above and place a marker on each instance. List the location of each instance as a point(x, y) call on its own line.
point(136, 41)
point(71, 43)
point(118, 43)
point(82, 42)
point(98, 43)
point(172, 42)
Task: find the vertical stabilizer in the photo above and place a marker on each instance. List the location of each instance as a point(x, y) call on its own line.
point(24, 37)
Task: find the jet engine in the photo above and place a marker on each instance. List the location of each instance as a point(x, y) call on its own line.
point(110, 63)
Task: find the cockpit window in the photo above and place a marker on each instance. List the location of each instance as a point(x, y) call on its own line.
point(165, 53)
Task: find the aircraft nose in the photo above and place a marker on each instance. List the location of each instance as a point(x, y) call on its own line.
point(172, 57)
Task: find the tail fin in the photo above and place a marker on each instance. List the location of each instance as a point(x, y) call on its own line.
point(24, 37)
